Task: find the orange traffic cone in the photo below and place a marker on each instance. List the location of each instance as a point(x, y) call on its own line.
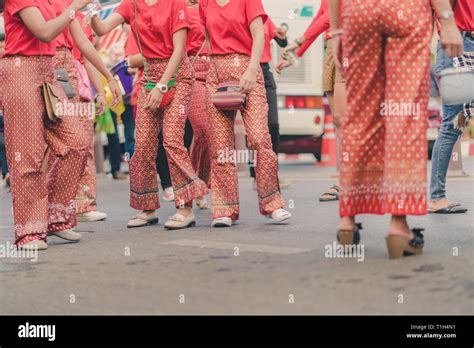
point(328, 148)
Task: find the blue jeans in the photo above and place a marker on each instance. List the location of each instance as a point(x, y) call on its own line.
point(129, 129)
point(447, 136)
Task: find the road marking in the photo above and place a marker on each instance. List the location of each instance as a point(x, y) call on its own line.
point(256, 248)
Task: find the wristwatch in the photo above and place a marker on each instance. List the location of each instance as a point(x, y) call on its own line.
point(162, 87)
point(72, 14)
point(446, 15)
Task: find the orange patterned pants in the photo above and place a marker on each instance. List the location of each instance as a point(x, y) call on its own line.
point(384, 146)
point(143, 181)
point(41, 202)
point(224, 183)
point(86, 192)
point(200, 152)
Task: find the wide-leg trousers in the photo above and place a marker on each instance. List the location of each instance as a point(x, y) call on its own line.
point(224, 183)
point(200, 151)
point(143, 180)
point(386, 58)
point(41, 202)
point(86, 196)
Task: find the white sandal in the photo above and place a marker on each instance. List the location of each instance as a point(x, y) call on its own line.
point(143, 219)
point(178, 221)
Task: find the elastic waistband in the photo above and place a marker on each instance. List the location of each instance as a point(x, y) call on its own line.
point(229, 56)
point(32, 58)
point(157, 60)
point(63, 48)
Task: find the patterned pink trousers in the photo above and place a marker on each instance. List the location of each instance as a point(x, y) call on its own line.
point(200, 151)
point(143, 180)
point(224, 183)
point(86, 192)
point(41, 202)
point(384, 145)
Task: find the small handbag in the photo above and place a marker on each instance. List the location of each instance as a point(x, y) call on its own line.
point(62, 76)
point(51, 102)
point(228, 97)
point(150, 85)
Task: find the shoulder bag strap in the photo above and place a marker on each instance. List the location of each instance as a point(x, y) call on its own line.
point(198, 53)
point(145, 71)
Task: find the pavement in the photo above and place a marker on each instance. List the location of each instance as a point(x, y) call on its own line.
point(255, 267)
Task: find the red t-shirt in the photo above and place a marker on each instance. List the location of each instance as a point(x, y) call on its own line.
point(131, 47)
point(19, 39)
point(196, 34)
point(88, 31)
point(319, 25)
point(464, 15)
point(229, 25)
point(156, 24)
point(59, 7)
point(270, 33)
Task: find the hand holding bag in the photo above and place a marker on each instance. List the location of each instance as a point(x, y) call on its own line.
point(228, 96)
point(168, 96)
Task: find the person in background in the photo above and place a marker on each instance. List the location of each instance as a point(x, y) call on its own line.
point(272, 32)
point(333, 82)
point(3, 151)
point(86, 197)
point(197, 114)
point(236, 33)
point(384, 151)
point(128, 118)
point(449, 132)
point(75, 37)
point(111, 112)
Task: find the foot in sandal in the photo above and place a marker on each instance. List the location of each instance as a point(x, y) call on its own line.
point(401, 241)
point(330, 195)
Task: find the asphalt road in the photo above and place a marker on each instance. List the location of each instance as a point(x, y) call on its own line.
point(277, 269)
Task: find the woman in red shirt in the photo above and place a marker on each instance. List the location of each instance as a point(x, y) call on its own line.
point(162, 29)
point(383, 147)
point(236, 32)
point(71, 37)
point(87, 73)
point(41, 204)
point(197, 115)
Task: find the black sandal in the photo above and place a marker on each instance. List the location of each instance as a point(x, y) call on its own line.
point(454, 208)
point(415, 246)
point(334, 195)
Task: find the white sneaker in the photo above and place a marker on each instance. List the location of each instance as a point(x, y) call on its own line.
point(69, 235)
point(91, 216)
point(34, 245)
point(143, 219)
point(280, 215)
point(222, 222)
point(178, 221)
point(168, 195)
